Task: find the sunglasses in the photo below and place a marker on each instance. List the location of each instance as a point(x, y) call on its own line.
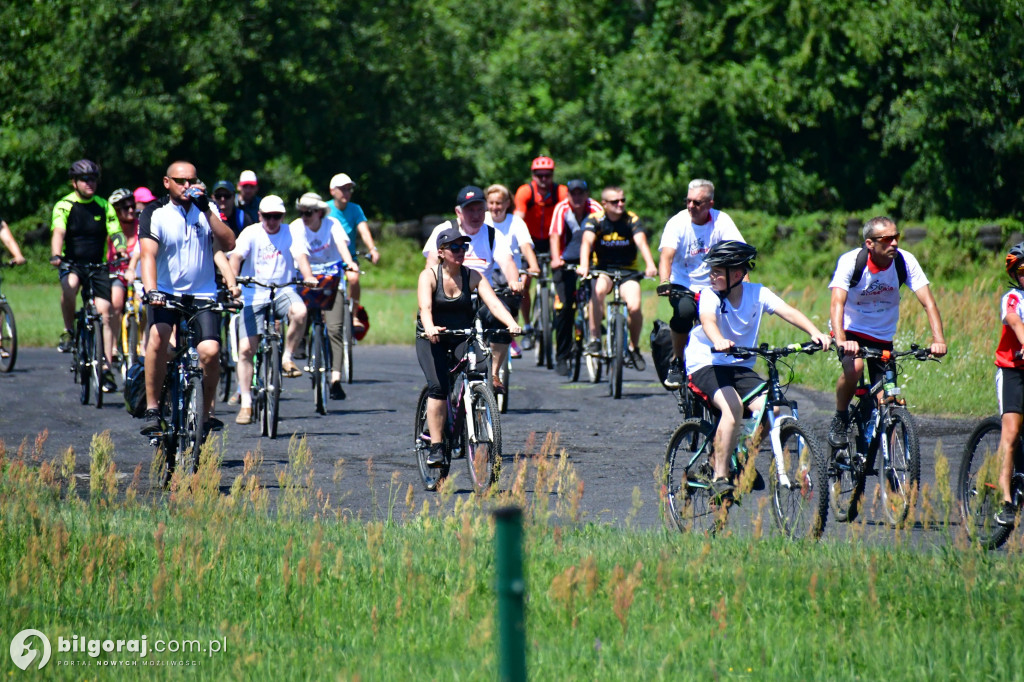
point(182, 181)
point(124, 207)
point(87, 178)
point(223, 196)
point(614, 201)
point(308, 213)
point(458, 248)
point(543, 175)
point(273, 216)
point(889, 239)
point(696, 202)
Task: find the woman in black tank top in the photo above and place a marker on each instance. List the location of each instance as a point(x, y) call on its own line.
point(445, 302)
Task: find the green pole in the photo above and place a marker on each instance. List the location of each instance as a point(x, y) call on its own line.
point(511, 590)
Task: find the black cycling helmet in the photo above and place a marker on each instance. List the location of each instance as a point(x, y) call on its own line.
point(83, 167)
point(1014, 260)
point(120, 194)
point(731, 254)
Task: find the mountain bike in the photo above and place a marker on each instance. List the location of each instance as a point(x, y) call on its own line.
point(8, 330)
point(472, 428)
point(348, 341)
point(505, 370)
point(977, 490)
point(580, 327)
point(266, 362)
point(615, 343)
point(87, 356)
point(318, 342)
point(883, 432)
point(228, 354)
point(543, 314)
point(133, 321)
point(796, 472)
point(182, 406)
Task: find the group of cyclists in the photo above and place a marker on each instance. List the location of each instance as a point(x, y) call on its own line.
point(181, 243)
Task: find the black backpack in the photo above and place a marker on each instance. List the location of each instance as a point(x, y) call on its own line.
point(862, 261)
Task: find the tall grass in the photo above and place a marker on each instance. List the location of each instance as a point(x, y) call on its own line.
point(304, 592)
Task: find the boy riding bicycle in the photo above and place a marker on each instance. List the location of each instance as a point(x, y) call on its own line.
point(1010, 378)
point(732, 317)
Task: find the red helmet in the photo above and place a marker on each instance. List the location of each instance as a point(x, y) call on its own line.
point(543, 163)
point(1014, 260)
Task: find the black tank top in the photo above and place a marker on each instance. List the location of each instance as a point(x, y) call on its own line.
point(452, 313)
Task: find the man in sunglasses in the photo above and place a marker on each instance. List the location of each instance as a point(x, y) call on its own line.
point(82, 226)
point(865, 310)
point(687, 238)
point(233, 217)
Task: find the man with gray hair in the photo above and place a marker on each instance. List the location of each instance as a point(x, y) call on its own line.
point(866, 308)
point(687, 237)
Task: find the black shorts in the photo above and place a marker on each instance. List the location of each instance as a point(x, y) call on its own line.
point(98, 280)
point(206, 324)
point(684, 312)
point(1010, 390)
point(489, 321)
point(876, 368)
point(433, 359)
point(706, 381)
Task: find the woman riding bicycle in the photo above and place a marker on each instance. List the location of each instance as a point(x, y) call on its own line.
point(445, 301)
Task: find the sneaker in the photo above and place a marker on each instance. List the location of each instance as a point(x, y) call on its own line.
point(562, 367)
point(513, 349)
point(244, 416)
point(1007, 515)
point(435, 457)
point(721, 489)
point(337, 392)
point(837, 431)
point(638, 362)
point(527, 339)
point(65, 344)
point(235, 399)
point(109, 385)
point(674, 376)
point(593, 347)
point(212, 424)
point(152, 425)
point(497, 386)
point(290, 369)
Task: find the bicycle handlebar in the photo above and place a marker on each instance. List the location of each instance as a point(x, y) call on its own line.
point(97, 267)
point(808, 348)
point(193, 307)
point(272, 285)
point(916, 351)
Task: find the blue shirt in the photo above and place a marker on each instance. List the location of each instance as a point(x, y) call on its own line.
point(349, 219)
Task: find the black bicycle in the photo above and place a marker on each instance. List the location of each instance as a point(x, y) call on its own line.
point(881, 432)
point(543, 314)
point(615, 343)
point(182, 407)
point(87, 352)
point(472, 428)
point(228, 327)
point(978, 491)
point(8, 330)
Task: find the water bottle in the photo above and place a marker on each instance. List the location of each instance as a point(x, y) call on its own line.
point(869, 430)
point(889, 384)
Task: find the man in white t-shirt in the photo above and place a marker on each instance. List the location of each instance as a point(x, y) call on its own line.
point(687, 238)
point(866, 309)
point(499, 201)
point(266, 253)
point(487, 248)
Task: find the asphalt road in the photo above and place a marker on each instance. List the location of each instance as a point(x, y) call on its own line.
point(362, 449)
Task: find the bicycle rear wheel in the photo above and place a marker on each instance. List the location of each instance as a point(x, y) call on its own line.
point(799, 482)
point(130, 350)
point(190, 426)
point(504, 376)
point(272, 388)
point(347, 342)
point(543, 327)
point(977, 489)
point(318, 368)
point(8, 338)
point(900, 473)
point(688, 476)
point(575, 362)
point(431, 476)
point(617, 348)
point(483, 448)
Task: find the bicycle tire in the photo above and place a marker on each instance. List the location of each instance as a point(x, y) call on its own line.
point(431, 476)
point(190, 426)
point(575, 362)
point(801, 506)
point(547, 340)
point(347, 343)
point(96, 375)
point(224, 358)
point(901, 480)
point(272, 376)
point(978, 493)
point(83, 351)
point(688, 476)
point(131, 350)
point(617, 348)
point(318, 368)
point(483, 450)
point(504, 376)
point(8, 338)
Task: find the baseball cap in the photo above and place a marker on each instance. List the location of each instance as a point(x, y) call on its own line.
point(468, 195)
point(576, 184)
point(451, 236)
point(311, 200)
point(341, 180)
point(271, 204)
point(223, 184)
point(143, 195)
point(247, 178)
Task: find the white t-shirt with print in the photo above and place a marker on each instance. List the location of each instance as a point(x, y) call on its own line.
point(873, 306)
point(692, 243)
point(321, 245)
point(266, 257)
point(480, 256)
point(740, 325)
point(515, 230)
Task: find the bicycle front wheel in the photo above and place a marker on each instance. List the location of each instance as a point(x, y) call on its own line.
point(96, 362)
point(8, 338)
point(546, 341)
point(432, 476)
point(190, 426)
point(688, 475)
point(977, 489)
point(504, 375)
point(272, 386)
point(799, 482)
point(347, 342)
point(900, 468)
point(318, 368)
point(483, 446)
point(618, 349)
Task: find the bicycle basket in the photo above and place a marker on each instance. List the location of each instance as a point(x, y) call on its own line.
point(135, 390)
point(322, 298)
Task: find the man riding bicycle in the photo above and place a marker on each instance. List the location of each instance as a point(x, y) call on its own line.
point(614, 236)
point(865, 310)
point(177, 244)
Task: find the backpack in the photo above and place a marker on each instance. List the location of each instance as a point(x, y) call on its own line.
point(661, 348)
point(862, 261)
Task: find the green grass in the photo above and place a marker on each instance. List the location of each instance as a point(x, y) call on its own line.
point(306, 593)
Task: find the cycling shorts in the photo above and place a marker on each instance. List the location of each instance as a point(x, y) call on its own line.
point(1010, 390)
point(707, 381)
point(252, 316)
point(206, 323)
point(684, 312)
point(876, 368)
point(99, 280)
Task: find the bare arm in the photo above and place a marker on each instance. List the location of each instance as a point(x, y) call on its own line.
point(148, 248)
point(800, 321)
point(8, 239)
point(714, 334)
point(493, 303)
point(223, 237)
point(511, 272)
point(650, 269)
point(56, 242)
point(220, 259)
point(585, 248)
point(665, 264)
point(364, 233)
point(531, 258)
point(1016, 325)
point(836, 309)
point(425, 299)
point(924, 295)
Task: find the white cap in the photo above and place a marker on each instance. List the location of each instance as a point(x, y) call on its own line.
point(340, 180)
point(271, 204)
point(247, 178)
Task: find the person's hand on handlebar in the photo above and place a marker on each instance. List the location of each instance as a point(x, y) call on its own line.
point(650, 271)
point(311, 282)
point(724, 345)
point(583, 270)
point(154, 298)
point(556, 262)
point(664, 289)
point(937, 349)
point(517, 285)
point(430, 331)
point(848, 347)
point(823, 340)
point(515, 330)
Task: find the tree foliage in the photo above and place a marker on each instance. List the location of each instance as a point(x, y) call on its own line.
point(788, 106)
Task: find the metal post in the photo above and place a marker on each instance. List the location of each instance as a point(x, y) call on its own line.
point(511, 589)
